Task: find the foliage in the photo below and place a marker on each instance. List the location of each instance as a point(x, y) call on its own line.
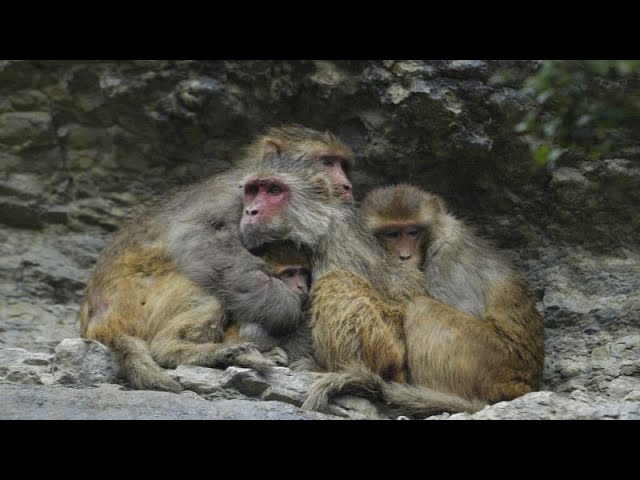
point(580, 105)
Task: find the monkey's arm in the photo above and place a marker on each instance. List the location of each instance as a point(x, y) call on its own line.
point(252, 295)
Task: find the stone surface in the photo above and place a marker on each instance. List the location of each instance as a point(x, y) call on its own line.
point(554, 406)
point(83, 144)
point(83, 362)
point(17, 365)
point(29, 402)
point(280, 385)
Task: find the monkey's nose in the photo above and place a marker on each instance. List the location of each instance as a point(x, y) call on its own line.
point(405, 257)
point(346, 191)
point(251, 212)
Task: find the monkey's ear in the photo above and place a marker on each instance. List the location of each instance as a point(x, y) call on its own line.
point(270, 147)
point(437, 204)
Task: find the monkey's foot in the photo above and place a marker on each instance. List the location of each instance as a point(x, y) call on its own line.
point(278, 356)
point(226, 355)
point(156, 380)
point(244, 355)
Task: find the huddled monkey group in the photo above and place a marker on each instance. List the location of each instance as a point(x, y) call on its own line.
point(272, 263)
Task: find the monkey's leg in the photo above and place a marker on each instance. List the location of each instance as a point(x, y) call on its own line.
point(119, 323)
point(348, 326)
point(133, 354)
point(186, 341)
point(138, 366)
point(455, 352)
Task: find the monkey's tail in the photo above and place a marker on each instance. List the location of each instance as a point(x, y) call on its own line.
point(138, 366)
point(406, 399)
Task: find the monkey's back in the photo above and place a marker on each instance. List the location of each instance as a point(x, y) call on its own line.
point(468, 273)
point(137, 267)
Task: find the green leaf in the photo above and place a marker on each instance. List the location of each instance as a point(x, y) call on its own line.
point(541, 155)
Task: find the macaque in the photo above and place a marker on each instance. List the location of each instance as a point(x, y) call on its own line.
point(292, 267)
point(164, 289)
point(478, 334)
point(359, 292)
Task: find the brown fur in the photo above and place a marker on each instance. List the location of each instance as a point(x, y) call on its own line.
point(359, 293)
point(357, 323)
point(298, 140)
point(164, 289)
point(480, 336)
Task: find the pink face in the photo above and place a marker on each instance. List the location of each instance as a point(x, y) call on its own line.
point(263, 198)
point(336, 168)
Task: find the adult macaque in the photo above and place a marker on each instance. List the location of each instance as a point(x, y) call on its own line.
point(359, 292)
point(480, 336)
point(165, 285)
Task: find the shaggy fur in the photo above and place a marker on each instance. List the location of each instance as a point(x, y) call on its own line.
point(359, 294)
point(480, 336)
point(173, 279)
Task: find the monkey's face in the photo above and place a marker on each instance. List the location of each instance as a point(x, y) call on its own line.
point(334, 157)
point(296, 277)
point(263, 219)
point(405, 241)
point(336, 168)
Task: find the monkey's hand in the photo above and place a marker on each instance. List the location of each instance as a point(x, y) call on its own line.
point(278, 356)
point(244, 355)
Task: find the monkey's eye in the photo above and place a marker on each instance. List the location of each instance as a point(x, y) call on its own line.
point(251, 190)
point(328, 161)
point(274, 190)
point(413, 233)
point(289, 273)
point(391, 234)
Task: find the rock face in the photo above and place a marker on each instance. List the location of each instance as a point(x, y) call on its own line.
point(32, 386)
point(19, 402)
point(83, 144)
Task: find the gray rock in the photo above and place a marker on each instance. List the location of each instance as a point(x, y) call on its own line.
point(355, 408)
point(25, 129)
point(20, 355)
point(553, 406)
point(213, 382)
point(20, 366)
point(84, 143)
point(287, 386)
point(199, 379)
point(26, 402)
point(83, 362)
point(279, 385)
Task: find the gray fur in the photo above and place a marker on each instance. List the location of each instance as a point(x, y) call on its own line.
point(205, 243)
point(460, 266)
point(332, 230)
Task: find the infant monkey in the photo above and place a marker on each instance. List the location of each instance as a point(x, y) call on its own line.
point(291, 266)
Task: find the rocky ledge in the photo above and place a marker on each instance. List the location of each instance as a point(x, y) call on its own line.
point(83, 144)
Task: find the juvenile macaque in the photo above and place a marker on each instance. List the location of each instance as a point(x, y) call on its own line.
point(480, 335)
point(292, 267)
